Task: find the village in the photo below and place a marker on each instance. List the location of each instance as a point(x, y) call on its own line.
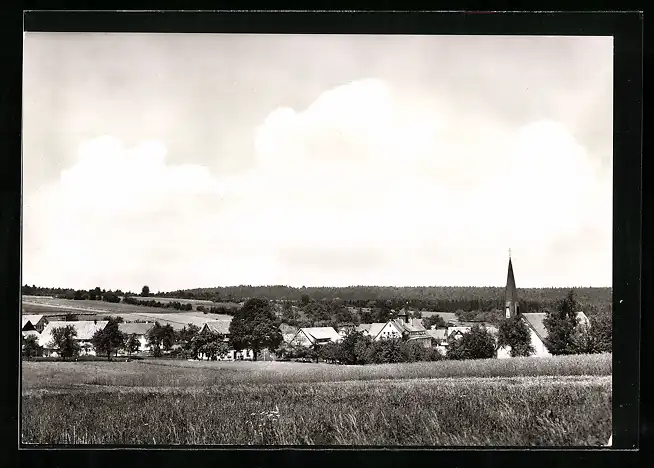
point(405, 325)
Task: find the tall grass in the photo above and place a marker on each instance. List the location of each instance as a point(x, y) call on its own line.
point(425, 412)
point(520, 402)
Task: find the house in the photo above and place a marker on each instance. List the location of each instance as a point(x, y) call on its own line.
point(315, 336)
point(411, 329)
point(85, 331)
point(34, 322)
point(140, 330)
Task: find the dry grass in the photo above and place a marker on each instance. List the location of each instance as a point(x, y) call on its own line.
point(442, 403)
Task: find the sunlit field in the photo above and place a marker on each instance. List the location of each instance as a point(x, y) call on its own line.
point(562, 401)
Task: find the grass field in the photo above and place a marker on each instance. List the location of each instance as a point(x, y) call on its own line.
point(521, 402)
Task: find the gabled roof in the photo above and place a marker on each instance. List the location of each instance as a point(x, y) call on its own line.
point(376, 328)
point(34, 319)
point(218, 326)
point(535, 322)
point(85, 329)
point(135, 328)
point(321, 333)
point(414, 325)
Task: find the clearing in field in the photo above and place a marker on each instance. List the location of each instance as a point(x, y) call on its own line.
point(515, 402)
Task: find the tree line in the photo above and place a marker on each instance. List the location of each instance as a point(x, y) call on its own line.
point(437, 298)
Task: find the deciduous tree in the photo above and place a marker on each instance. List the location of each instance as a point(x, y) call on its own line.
point(478, 343)
point(31, 347)
point(433, 321)
point(514, 332)
point(561, 324)
point(108, 340)
point(255, 327)
point(63, 340)
point(132, 344)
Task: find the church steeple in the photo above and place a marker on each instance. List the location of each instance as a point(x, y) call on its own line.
point(511, 294)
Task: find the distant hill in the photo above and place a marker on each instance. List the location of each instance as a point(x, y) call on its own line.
point(436, 298)
point(443, 298)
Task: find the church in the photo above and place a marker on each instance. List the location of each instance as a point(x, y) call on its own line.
point(534, 321)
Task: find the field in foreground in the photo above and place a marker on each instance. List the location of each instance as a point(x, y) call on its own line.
point(568, 402)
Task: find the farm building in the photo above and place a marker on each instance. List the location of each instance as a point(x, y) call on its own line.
point(316, 335)
point(140, 330)
point(85, 331)
point(34, 322)
point(412, 329)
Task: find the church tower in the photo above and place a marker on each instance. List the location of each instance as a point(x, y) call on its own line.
point(511, 308)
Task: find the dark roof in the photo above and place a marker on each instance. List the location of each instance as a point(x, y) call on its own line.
point(511, 293)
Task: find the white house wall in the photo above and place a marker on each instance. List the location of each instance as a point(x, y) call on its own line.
point(539, 346)
point(389, 331)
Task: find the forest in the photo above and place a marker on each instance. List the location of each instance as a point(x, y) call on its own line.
point(433, 298)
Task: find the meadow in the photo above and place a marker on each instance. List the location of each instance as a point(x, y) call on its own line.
point(561, 401)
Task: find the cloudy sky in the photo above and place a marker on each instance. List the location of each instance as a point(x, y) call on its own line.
point(184, 161)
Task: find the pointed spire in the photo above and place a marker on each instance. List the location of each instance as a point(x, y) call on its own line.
point(511, 293)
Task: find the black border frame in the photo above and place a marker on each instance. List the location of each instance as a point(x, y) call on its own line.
point(627, 29)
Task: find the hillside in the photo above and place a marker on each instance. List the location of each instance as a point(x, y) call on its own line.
point(442, 298)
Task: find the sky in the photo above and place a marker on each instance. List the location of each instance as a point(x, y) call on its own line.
point(200, 160)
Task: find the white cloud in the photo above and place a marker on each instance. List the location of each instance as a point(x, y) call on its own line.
point(367, 185)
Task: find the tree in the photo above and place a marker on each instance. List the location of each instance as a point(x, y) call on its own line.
point(561, 324)
point(289, 315)
point(601, 329)
point(434, 321)
point(514, 332)
point(108, 340)
point(145, 291)
point(185, 338)
point(31, 346)
point(478, 343)
point(255, 327)
point(365, 315)
point(305, 299)
point(79, 295)
point(95, 294)
point(132, 344)
point(160, 337)
point(595, 337)
point(110, 297)
point(63, 340)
